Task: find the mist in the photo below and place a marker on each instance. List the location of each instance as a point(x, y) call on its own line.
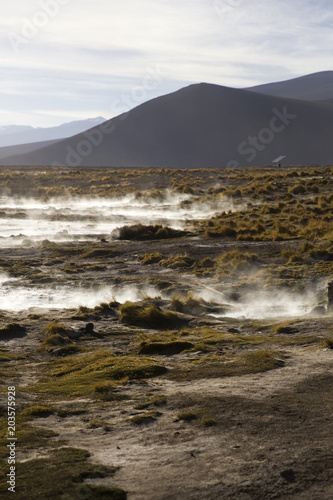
point(28, 221)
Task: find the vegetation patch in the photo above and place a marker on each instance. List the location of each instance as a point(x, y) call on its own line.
point(74, 376)
point(239, 364)
point(62, 474)
point(328, 344)
point(148, 417)
point(150, 258)
point(149, 316)
point(166, 349)
point(12, 330)
point(141, 232)
point(180, 261)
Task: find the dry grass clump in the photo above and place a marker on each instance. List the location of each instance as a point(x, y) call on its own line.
point(297, 189)
point(179, 261)
point(285, 328)
point(54, 328)
point(141, 232)
point(148, 316)
point(150, 258)
point(188, 304)
point(328, 344)
point(12, 330)
point(148, 417)
point(222, 231)
point(188, 415)
point(165, 348)
point(234, 261)
point(292, 257)
point(53, 341)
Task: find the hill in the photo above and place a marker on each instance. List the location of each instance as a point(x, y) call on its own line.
point(314, 87)
point(199, 126)
point(13, 135)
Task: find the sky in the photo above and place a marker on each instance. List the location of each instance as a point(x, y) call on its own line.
point(65, 60)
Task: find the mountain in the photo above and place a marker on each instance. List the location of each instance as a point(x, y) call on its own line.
point(13, 129)
point(12, 135)
point(314, 87)
point(199, 126)
point(21, 149)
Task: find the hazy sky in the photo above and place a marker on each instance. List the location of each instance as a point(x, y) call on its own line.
point(63, 60)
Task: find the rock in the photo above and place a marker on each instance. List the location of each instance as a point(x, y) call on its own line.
point(89, 328)
point(288, 475)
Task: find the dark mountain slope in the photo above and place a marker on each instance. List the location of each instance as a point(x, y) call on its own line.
point(314, 87)
point(200, 126)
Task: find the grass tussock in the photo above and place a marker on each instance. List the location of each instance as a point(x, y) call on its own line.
point(234, 262)
point(55, 328)
point(328, 344)
point(141, 232)
point(179, 261)
point(147, 417)
point(165, 348)
point(148, 316)
point(150, 258)
point(12, 330)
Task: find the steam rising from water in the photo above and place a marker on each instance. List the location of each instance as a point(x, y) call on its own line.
point(274, 304)
point(19, 298)
point(67, 219)
point(31, 221)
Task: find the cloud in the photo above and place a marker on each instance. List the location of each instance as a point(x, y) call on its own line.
point(89, 54)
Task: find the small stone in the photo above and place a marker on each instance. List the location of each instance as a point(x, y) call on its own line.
point(288, 475)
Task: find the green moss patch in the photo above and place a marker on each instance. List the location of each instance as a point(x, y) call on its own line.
point(61, 475)
point(239, 364)
point(79, 376)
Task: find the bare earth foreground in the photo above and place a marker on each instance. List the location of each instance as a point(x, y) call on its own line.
point(168, 333)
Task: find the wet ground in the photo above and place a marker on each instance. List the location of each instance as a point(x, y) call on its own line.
point(224, 433)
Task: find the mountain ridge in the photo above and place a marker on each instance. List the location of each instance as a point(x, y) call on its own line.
point(202, 125)
point(18, 134)
point(312, 87)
